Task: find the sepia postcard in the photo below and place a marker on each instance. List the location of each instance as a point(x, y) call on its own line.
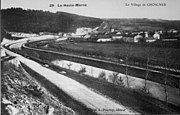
point(90, 57)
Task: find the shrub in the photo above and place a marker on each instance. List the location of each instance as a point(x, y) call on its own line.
point(102, 76)
point(82, 70)
point(116, 79)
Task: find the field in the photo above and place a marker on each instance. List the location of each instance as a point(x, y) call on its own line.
point(129, 25)
point(135, 53)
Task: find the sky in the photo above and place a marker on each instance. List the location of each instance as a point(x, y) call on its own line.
point(169, 9)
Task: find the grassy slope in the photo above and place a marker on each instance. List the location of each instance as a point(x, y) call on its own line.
point(26, 94)
point(67, 100)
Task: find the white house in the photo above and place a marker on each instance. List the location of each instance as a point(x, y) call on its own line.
point(116, 37)
point(146, 34)
point(137, 37)
point(172, 31)
point(118, 33)
point(156, 36)
point(83, 30)
point(87, 36)
point(104, 40)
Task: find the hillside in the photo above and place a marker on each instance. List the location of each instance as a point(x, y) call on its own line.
point(17, 19)
point(144, 24)
point(20, 20)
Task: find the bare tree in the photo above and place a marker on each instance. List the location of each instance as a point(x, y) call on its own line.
point(127, 79)
point(127, 48)
point(179, 86)
point(146, 77)
point(146, 90)
point(166, 76)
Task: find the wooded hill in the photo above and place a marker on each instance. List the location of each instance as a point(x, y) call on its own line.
point(139, 24)
point(20, 20)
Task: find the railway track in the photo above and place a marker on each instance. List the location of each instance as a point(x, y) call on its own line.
point(155, 75)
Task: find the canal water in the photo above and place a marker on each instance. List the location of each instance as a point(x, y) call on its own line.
point(156, 90)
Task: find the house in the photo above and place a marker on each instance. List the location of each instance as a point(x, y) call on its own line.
point(137, 38)
point(150, 39)
point(173, 31)
point(118, 33)
point(104, 40)
point(83, 30)
point(112, 30)
point(87, 36)
point(116, 37)
point(132, 38)
point(156, 36)
point(146, 34)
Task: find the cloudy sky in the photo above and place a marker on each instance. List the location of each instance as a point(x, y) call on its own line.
point(105, 8)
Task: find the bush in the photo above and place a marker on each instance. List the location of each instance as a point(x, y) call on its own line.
point(82, 70)
point(116, 79)
point(102, 76)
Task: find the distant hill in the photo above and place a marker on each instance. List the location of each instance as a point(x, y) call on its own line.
point(139, 24)
point(17, 19)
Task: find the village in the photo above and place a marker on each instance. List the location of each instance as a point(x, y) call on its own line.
point(88, 34)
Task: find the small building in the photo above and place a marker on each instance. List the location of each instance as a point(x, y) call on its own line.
point(146, 34)
point(150, 39)
point(173, 31)
point(156, 36)
point(134, 39)
point(118, 33)
point(104, 40)
point(137, 38)
point(87, 36)
point(117, 37)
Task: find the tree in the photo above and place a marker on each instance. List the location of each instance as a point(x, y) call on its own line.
point(127, 48)
point(166, 76)
point(116, 79)
point(146, 91)
point(146, 76)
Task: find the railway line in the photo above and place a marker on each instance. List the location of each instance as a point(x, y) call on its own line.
point(82, 95)
point(173, 79)
point(156, 75)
